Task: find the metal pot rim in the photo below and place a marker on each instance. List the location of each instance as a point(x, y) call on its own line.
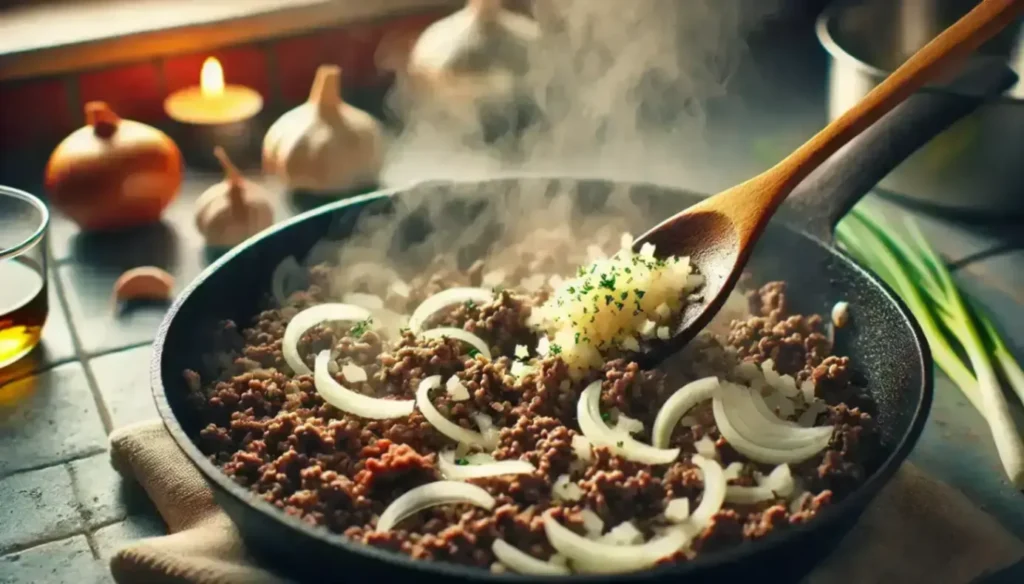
point(822, 29)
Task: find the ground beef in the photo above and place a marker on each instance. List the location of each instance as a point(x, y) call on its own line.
point(269, 429)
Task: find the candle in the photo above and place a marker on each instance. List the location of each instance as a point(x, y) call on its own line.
point(215, 114)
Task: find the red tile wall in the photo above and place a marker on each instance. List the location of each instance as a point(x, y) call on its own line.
point(39, 113)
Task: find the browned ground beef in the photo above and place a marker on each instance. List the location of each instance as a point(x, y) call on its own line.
point(269, 429)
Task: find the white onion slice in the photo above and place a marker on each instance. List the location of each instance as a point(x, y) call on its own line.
point(566, 490)
point(677, 405)
point(283, 280)
point(461, 335)
point(754, 451)
point(307, 319)
point(432, 495)
point(444, 299)
point(628, 426)
point(706, 447)
point(713, 497)
point(582, 447)
point(456, 472)
point(624, 533)
point(611, 558)
point(441, 423)
point(778, 483)
point(678, 510)
point(766, 411)
point(810, 415)
point(588, 416)
point(521, 562)
point(733, 471)
point(763, 427)
point(456, 390)
point(352, 402)
point(353, 373)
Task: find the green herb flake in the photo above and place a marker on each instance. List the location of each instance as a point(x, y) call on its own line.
point(624, 295)
point(608, 299)
point(361, 327)
point(473, 352)
point(461, 461)
point(605, 416)
point(639, 293)
point(470, 305)
point(555, 349)
point(619, 443)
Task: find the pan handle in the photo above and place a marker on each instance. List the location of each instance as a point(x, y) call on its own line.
point(818, 203)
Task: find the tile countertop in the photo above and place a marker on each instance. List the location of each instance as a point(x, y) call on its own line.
point(65, 511)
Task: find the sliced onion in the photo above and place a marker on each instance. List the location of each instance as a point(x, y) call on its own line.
point(628, 426)
point(582, 447)
point(680, 402)
point(754, 451)
point(520, 369)
point(353, 402)
point(713, 497)
point(284, 278)
point(588, 416)
point(432, 495)
point(444, 299)
point(733, 471)
point(765, 411)
point(778, 484)
point(611, 558)
point(307, 319)
point(566, 490)
point(592, 523)
point(461, 335)
point(761, 426)
point(810, 415)
point(624, 533)
point(706, 447)
point(678, 510)
point(456, 472)
point(523, 563)
point(807, 388)
point(353, 373)
point(455, 388)
point(441, 423)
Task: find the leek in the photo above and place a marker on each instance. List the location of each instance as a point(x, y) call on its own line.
point(953, 324)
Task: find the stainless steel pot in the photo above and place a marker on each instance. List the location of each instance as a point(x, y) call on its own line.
point(975, 166)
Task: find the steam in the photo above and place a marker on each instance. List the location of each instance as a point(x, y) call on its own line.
point(614, 89)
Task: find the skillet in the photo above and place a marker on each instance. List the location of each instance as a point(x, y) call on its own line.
point(884, 343)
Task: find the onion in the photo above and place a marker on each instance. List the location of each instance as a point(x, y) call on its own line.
point(456, 472)
point(523, 563)
point(765, 411)
point(283, 280)
point(431, 495)
point(566, 490)
point(588, 416)
point(352, 402)
point(370, 302)
point(810, 415)
point(353, 373)
point(399, 288)
point(678, 404)
point(456, 390)
point(592, 523)
point(628, 426)
point(778, 484)
point(608, 557)
point(624, 533)
point(444, 299)
point(761, 426)
point(807, 388)
point(733, 471)
point(754, 451)
point(441, 423)
point(582, 447)
point(714, 493)
point(520, 369)
point(307, 319)
point(706, 447)
point(678, 510)
point(458, 334)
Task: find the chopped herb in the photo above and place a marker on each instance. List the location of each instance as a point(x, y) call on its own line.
point(619, 443)
point(572, 289)
point(473, 352)
point(361, 327)
point(554, 349)
point(605, 416)
point(607, 282)
point(619, 305)
point(470, 305)
point(628, 271)
point(639, 293)
point(623, 296)
point(577, 339)
point(461, 461)
point(608, 300)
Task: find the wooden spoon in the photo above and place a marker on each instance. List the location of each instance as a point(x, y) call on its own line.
point(719, 233)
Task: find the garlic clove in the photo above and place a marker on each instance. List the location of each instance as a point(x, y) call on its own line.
point(232, 210)
point(143, 283)
point(325, 145)
point(473, 53)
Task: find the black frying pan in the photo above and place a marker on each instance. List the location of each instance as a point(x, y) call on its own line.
point(888, 350)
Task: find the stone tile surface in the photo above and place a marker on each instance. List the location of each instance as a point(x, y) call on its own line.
point(35, 506)
point(48, 418)
point(113, 537)
point(123, 379)
point(103, 495)
point(68, 561)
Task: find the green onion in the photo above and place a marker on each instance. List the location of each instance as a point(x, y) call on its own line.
point(953, 324)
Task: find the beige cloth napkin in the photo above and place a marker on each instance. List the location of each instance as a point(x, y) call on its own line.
point(917, 530)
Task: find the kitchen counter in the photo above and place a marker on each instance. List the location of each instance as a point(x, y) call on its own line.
point(65, 511)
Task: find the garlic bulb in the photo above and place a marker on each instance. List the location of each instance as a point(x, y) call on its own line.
point(477, 52)
point(232, 210)
point(325, 145)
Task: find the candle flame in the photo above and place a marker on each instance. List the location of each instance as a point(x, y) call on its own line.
point(211, 78)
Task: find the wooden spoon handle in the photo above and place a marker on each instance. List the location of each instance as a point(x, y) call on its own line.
point(767, 191)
